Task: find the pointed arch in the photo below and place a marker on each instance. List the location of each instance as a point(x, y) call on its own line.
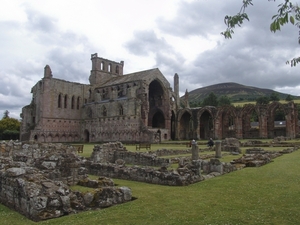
point(185, 128)
point(158, 120)
point(277, 115)
point(250, 121)
point(227, 119)
point(206, 123)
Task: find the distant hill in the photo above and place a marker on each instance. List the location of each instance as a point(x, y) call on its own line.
point(235, 92)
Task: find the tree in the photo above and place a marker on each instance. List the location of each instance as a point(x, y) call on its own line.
point(289, 98)
point(263, 100)
point(287, 12)
point(9, 126)
point(211, 100)
point(224, 100)
point(274, 97)
point(195, 104)
point(6, 114)
point(279, 115)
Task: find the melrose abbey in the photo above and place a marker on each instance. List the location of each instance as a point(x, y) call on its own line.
point(138, 107)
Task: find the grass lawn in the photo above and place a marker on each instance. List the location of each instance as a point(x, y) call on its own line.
point(266, 195)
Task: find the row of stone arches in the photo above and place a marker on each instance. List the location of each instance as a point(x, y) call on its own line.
point(250, 121)
point(51, 137)
point(125, 135)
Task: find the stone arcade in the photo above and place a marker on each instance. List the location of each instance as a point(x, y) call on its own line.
point(138, 107)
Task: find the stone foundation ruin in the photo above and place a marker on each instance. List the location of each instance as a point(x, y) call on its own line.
point(35, 178)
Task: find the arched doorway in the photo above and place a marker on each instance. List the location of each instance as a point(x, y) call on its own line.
point(156, 100)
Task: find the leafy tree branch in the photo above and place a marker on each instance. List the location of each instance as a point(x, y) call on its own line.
point(288, 12)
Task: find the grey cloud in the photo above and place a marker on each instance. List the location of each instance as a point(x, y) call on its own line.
point(254, 56)
point(245, 66)
point(69, 65)
point(145, 42)
point(197, 18)
point(169, 62)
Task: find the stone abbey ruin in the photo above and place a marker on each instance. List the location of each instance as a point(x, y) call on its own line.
point(38, 172)
point(136, 108)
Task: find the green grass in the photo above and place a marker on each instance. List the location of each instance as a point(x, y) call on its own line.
point(264, 195)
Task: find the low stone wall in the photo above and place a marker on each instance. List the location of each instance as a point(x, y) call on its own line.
point(111, 152)
point(144, 159)
point(166, 152)
point(110, 160)
point(146, 174)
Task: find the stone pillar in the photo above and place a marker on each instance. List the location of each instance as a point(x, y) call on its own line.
point(218, 149)
point(195, 150)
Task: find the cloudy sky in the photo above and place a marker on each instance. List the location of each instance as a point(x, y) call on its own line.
point(176, 36)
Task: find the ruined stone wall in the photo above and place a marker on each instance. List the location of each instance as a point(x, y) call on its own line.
point(30, 193)
point(165, 152)
point(231, 145)
point(144, 159)
point(119, 128)
point(230, 121)
point(109, 160)
point(110, 152)
point(34, 178)
point(50, 118)
point(57, 161)
point(216, 166)
point(144, 174)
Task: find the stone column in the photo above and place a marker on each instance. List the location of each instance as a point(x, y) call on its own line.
point(195, 150)
point(218, 149)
